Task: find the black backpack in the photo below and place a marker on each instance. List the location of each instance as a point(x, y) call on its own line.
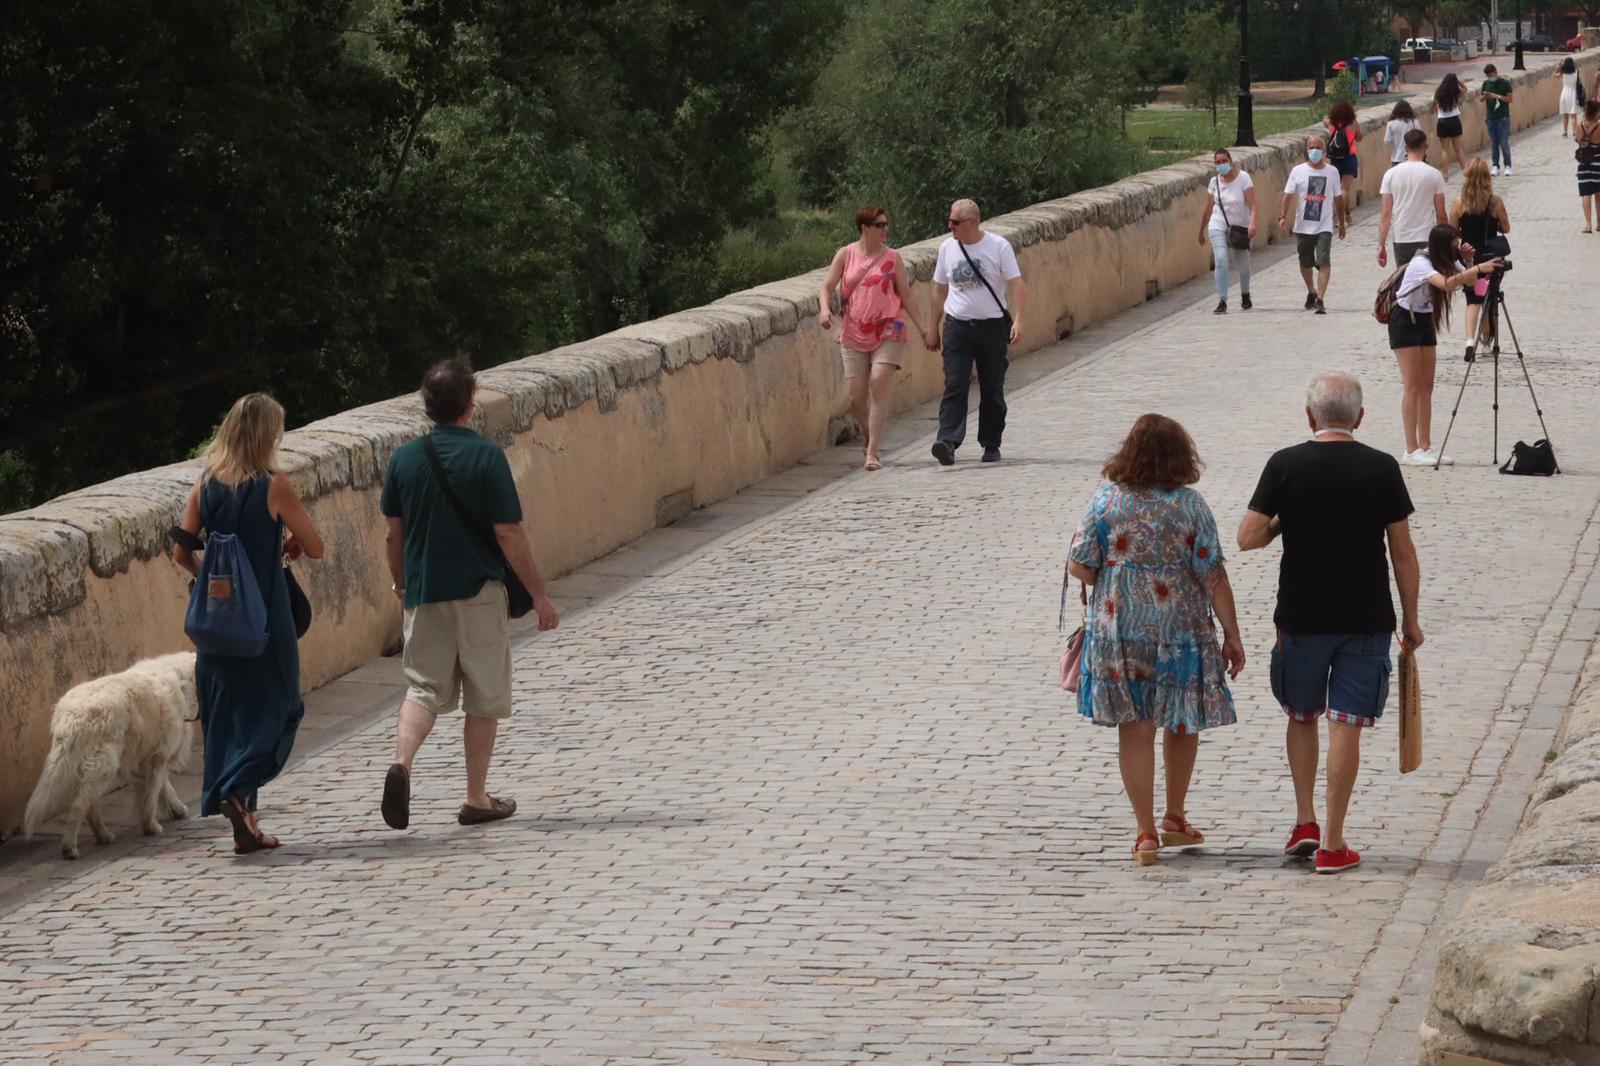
point(1339, 144)
point(1537, 459)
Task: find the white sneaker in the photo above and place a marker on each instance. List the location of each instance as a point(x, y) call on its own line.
point(1417, 458)
point(1508, 170)
point(1494, 170)
point(1432, 457)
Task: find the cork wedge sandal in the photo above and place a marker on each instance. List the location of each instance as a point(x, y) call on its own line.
point(1146, 856)
point(1184, 836)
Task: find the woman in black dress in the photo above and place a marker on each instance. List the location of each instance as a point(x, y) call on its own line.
point(1481, 217)
point(1587, 134)
point(250, 707)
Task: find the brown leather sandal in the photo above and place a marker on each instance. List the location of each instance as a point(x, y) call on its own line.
point(1185, 836)
point(245, 840)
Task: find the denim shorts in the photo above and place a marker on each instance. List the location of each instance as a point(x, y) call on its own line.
point(1345, 675)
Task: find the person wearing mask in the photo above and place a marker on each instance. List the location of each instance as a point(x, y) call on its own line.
point(1402, 120)
point(1231, 202)
point(1481, 217)
point(978, 297)
point(1313, 196)
point(1496, 93)
point(1446, 108)
point(1423, 303)
point(1413, 202)
point(1343, 136)
point(1587, 134)
point(250, 707)
point(875, 298)
point(1336, 503)
point(1568, 106)
point(1148, 547)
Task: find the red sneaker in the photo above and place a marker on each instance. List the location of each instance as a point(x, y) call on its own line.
point(1331, 862)
point(1304, 841)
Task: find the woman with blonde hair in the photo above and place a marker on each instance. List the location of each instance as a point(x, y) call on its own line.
point(250, 707)
point(1481, 217)
point(875, 301)
point(1148, 546)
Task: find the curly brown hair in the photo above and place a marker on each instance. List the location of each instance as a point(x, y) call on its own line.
point(1341, 115)
point(1157, 453)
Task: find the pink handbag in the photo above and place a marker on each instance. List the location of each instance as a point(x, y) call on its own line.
point(1072, 658)
point(1072, 661)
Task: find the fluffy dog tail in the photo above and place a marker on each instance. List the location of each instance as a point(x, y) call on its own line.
point(58, 784)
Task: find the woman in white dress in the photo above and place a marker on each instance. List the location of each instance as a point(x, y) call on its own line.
point(1569, 106)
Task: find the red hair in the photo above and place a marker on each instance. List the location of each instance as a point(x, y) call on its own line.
point(867, 215)
point(1157, 453)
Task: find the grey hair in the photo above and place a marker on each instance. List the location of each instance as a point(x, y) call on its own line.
point(967, 209)
point(1318, 138)
point(1334, 400)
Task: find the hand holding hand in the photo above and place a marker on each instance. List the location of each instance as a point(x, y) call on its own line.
point(1233, 654)
point(549, 617)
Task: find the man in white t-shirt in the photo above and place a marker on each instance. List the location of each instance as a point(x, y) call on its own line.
point(1314, 195)
point(977, 313)
point(1413, 202)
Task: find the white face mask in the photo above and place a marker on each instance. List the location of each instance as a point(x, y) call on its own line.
point(1224, 168)
point(1315, 155)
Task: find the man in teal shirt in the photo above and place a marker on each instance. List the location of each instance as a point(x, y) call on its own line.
point(450, 567)
point(1497, 106)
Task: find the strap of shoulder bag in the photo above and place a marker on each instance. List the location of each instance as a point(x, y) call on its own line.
point(487, 537)
point(1003, 310)
point(1222, 206)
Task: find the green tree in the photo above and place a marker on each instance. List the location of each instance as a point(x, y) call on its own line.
point(1005, 103)
point(1211, 47)
point(1135, 63)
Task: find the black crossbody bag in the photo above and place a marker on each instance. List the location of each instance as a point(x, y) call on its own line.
point(1005, 315)
point(518, 601)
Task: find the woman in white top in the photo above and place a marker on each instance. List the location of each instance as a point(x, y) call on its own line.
point(1231, 202)
point(1402, 120)
point(1568, 107)
point(1423, 301)
point(1446, 107)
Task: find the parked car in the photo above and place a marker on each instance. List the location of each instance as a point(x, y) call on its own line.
point(1537, 42)
point(1413, 43)
point(1444, 44)
point(1575, 44)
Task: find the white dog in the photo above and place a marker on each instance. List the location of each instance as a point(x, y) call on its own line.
point(112, 730)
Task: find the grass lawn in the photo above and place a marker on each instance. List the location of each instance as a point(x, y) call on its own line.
point(1177, 133)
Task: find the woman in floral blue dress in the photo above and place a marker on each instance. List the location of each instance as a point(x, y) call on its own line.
point(1148, 546)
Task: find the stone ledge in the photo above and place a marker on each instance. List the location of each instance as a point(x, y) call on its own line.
point(1518, 978)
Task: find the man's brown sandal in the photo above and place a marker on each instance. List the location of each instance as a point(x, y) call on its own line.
point(498, 808)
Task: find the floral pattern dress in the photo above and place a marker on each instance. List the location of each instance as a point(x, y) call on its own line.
point(1150, 648)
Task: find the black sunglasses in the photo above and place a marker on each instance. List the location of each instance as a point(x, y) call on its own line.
point(880, 224)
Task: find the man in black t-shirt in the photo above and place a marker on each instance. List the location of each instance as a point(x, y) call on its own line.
point(1336, 503)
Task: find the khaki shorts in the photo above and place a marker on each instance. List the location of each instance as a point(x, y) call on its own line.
point(459, 651)
point(856, 363)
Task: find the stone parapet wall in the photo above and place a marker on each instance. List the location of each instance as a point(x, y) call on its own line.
point(1518, 979)
point(608, 438)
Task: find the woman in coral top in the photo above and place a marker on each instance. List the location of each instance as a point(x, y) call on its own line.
point(875, 301)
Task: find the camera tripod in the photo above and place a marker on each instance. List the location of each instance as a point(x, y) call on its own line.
point(1486, 344)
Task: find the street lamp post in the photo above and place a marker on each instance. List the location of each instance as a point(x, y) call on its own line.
point(1516, 45)
point(1246, 135)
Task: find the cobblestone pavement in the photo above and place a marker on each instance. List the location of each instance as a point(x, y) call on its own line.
point(810, 794)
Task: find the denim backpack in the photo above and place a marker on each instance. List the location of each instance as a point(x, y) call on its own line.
point(227, 613)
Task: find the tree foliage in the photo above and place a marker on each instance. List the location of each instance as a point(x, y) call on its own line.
point(320, 197)
point(1211, 47)
point(1003, 103)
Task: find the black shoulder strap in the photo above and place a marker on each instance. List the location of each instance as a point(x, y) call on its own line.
point(1003, 310)
point(487, 537)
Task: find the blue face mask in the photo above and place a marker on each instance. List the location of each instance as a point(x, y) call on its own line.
point(1224, 168)
point(1315, 155)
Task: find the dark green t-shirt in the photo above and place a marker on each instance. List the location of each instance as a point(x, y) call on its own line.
point(1497, 108)
point(444, 559)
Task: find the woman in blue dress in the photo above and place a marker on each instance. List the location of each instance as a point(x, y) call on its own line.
point(250, 707)
point(1148, 546)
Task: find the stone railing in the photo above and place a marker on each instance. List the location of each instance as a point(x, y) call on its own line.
point(1518, 980)
point(608, 438)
